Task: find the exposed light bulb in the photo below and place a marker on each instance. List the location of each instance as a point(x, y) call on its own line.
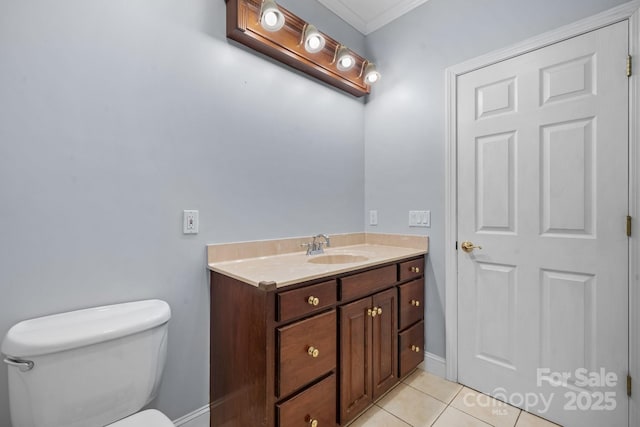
point(313, 41)
point(270, 18)
point(345, 59)
point(371, 74)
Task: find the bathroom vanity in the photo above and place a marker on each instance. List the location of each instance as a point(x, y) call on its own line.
point(317, 342)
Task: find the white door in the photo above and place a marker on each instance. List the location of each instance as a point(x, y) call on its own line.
point(543, 189)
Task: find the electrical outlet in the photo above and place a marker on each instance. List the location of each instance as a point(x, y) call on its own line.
point(190, 222)
point(373, 217)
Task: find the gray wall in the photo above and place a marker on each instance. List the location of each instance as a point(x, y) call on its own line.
point(405, 115)
point(117, 115)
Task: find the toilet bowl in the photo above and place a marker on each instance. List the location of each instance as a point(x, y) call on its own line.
point(88, 368)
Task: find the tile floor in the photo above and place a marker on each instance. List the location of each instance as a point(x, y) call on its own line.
point(424, 400)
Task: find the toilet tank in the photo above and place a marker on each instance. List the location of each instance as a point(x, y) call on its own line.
point(89, 367)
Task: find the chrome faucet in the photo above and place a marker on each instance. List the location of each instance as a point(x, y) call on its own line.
point(316, 247)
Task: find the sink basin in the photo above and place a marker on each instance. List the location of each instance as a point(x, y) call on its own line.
point(337, 259)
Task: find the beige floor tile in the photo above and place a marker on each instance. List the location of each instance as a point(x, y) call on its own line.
point(529, 420)
point(486, 408)
point(451, 417)
point(377, 417)
point(412, 406)
point(433, 385)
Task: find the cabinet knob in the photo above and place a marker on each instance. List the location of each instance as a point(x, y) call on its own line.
point(369, 312)
point(379, 311)
point(415, 269)
point(314, 301)
point(313, 423)
point(374, 312)
point(313, 352)
point(415, 348)
point(415, 303)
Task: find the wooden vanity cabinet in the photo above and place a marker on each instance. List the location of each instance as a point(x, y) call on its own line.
point(319, 351)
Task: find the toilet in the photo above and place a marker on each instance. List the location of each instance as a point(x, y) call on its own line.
point(88, 368)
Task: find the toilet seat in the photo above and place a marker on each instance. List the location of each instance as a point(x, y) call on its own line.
point(148, 418)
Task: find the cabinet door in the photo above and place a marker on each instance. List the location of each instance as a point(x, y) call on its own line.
point(384, 342)
point(355, 355)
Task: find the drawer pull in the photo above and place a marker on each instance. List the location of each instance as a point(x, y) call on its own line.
point(415, 348)
point(415, 269)
point(314, 301)
point(415, 303)
point(313, 352)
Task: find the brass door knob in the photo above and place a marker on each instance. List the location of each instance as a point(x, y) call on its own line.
point(415, 269)
point(469, 246)
point(415, 303)
point(313, 352)
point(314, 301)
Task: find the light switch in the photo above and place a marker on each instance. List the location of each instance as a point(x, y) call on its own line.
point(419, 218)
point(373, 217)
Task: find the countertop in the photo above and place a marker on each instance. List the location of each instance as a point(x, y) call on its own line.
point(291, 268)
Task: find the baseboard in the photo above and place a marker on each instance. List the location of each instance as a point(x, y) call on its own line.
point(435, 365)
point(197, 418)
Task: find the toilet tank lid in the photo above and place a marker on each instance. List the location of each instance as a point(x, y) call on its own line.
point(65, 331)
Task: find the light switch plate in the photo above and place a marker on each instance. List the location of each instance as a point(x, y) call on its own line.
point(190, 222)
point(373, 217)
point(419, 218)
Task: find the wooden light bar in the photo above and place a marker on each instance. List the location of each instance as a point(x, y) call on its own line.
point(287, 46)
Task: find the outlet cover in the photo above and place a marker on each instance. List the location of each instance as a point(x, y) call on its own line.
point(190, 222)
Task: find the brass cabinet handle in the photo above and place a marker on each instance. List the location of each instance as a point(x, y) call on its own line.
point(379, 311)
point(415, 348)
point(314, 301)
point(313, 352)
point(313, 423)
point(369, 312)
point(415, 303)
point(374, 312)
point(415, 269)
point(469, 246)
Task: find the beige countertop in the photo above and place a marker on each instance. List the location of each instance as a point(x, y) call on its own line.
point(295, 267)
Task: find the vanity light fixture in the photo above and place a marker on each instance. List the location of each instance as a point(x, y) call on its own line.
point(344, 58)
point(272, 30)
point(271, 18)
point(313, 41)
point(371, 74)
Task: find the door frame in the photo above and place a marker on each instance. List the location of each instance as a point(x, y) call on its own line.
point(626, 12)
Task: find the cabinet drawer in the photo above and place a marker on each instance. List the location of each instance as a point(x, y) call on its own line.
point(411, 269)
point(306, 300)
point(316, 403)
point(411, 302)
point(297, 363)
point(411, 344)
point(368, 282)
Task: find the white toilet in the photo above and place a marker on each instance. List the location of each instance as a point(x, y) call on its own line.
point(88, 368)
